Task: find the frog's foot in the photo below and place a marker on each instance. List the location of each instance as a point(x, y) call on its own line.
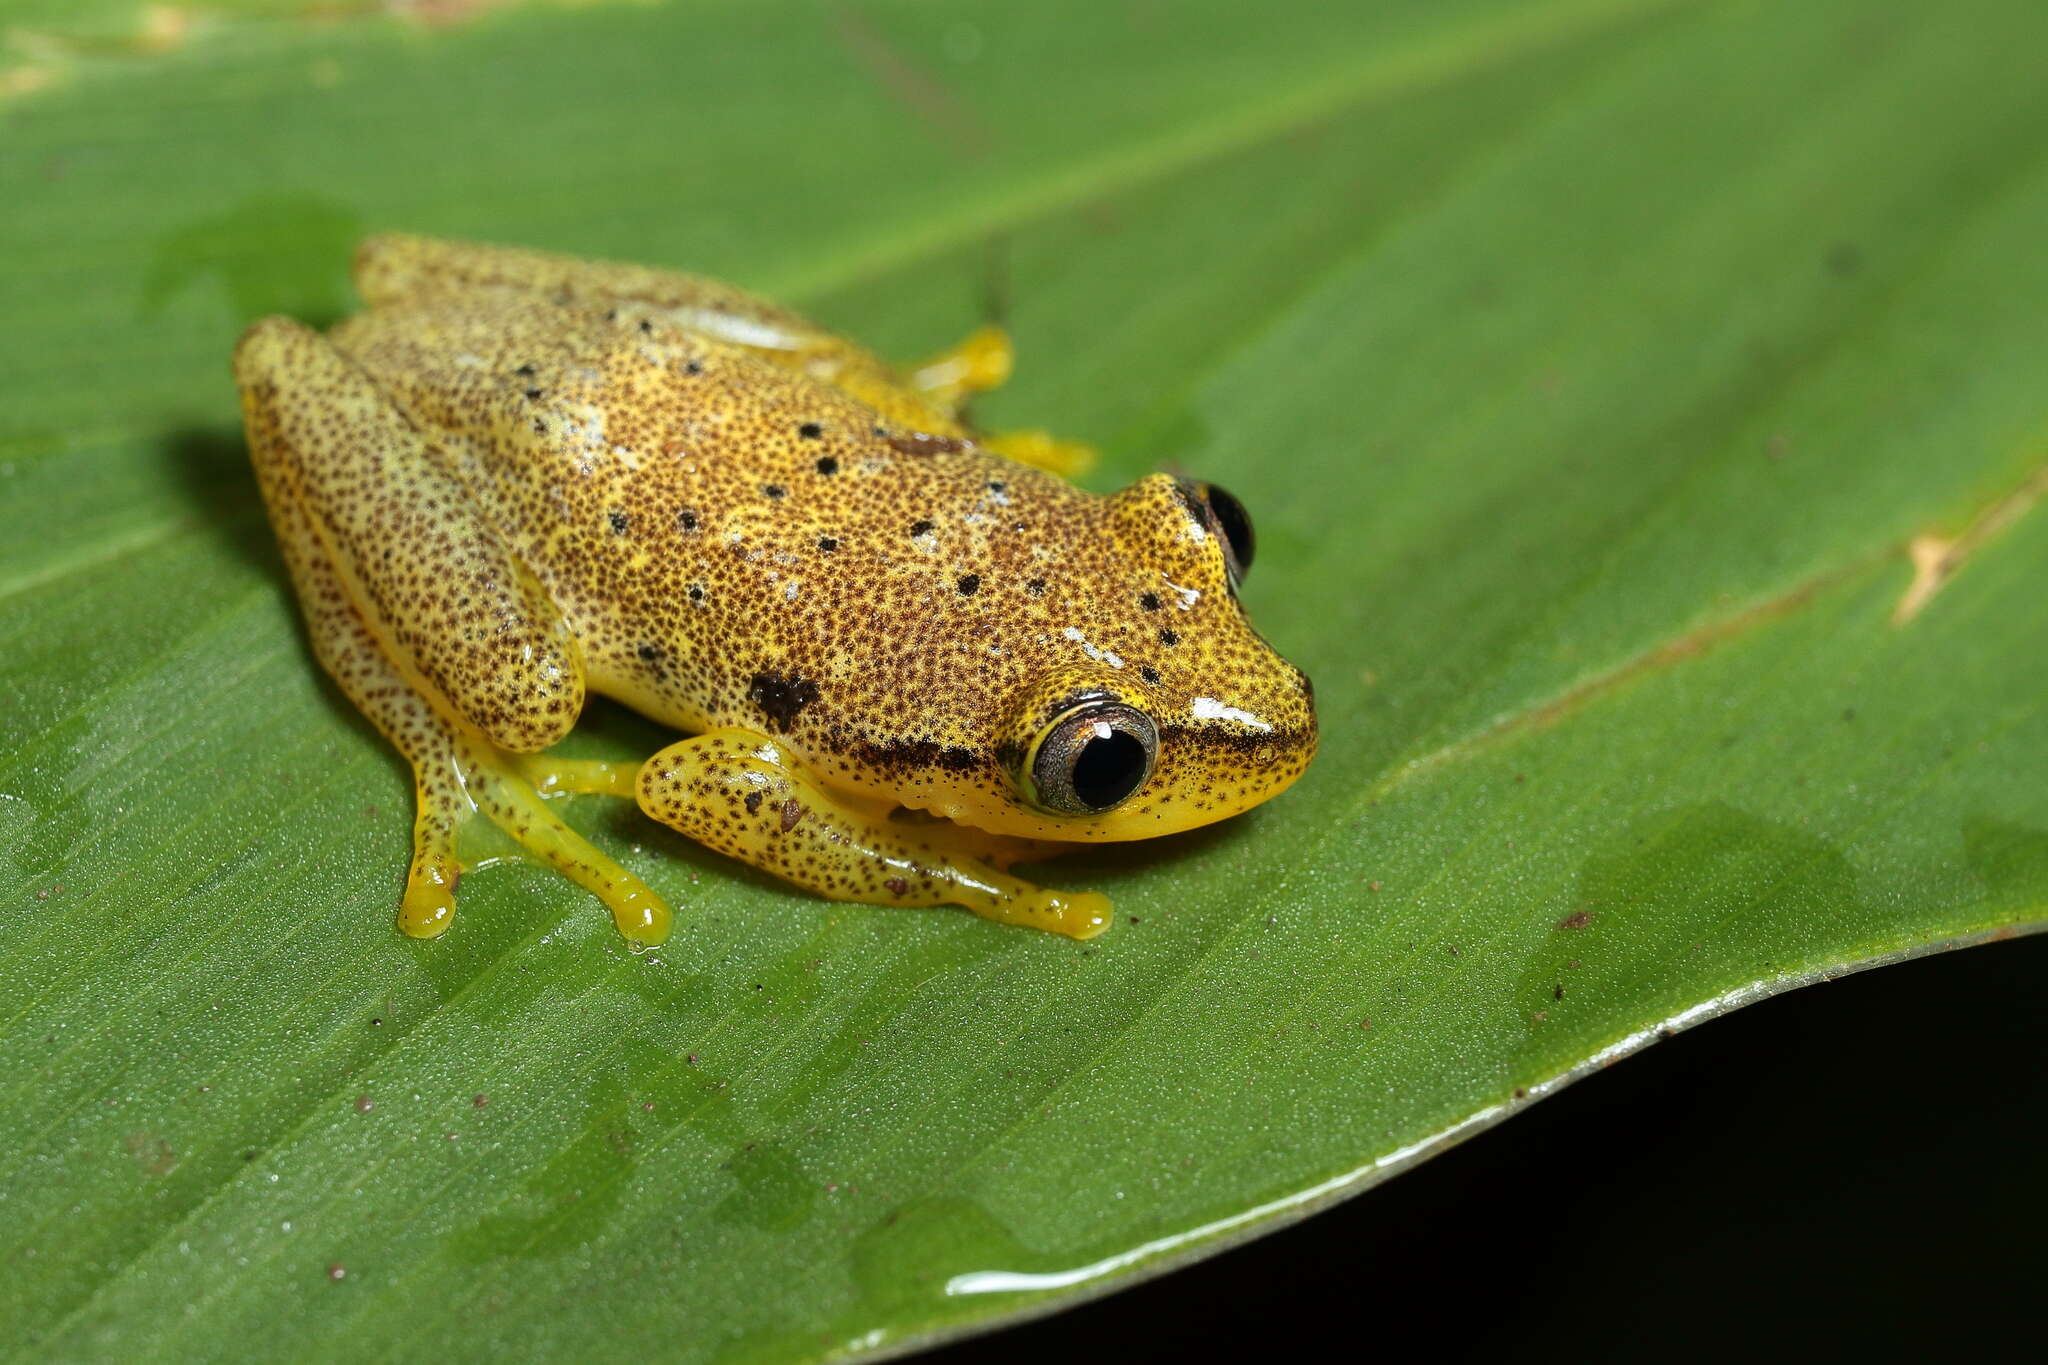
point(441, 807)
point(498, 783)
point(978, 362)
point(457, 777)
point(981, 361)
point(742, 794)
point(1042, 450)
point(590, 776)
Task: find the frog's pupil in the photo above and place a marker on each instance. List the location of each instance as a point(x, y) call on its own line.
point(1108, 768)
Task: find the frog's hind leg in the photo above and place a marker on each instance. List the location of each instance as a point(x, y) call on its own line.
point(456, 611)
point(454, 777)
point(743, 794)
point(349, 653)
point(459, 767)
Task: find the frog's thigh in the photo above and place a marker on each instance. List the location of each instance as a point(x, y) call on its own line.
point(742, 794)
point(455, 611)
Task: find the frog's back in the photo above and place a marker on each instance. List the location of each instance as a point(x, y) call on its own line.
point(735, 543)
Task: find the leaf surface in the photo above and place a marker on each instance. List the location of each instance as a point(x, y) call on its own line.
point(1642, 409)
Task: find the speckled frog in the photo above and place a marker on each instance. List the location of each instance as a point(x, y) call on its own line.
point(908, 655)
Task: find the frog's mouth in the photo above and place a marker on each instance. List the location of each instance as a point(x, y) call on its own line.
point(1207, 774)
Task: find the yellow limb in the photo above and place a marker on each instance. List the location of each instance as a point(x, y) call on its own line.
point(584, 776)
point(514, 806)
point(980, 361)
point(742, 794)
point(1043, 450)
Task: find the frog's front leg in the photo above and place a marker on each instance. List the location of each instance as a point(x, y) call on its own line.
point(431, 628)
point(744, 794)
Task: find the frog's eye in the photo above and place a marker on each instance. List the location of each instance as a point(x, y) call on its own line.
point(1236, 525)
point(1090, 759)
point(1225, 518)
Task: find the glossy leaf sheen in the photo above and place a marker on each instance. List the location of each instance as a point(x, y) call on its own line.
point(1588, 367)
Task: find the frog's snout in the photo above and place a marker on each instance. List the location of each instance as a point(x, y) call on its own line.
point(1274, 739)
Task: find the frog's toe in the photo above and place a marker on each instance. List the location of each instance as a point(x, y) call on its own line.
point(981, 361)
point(499, 786)
point(428, 907)
point(1043, 450)
point(1077, 914)
point(1074, 914)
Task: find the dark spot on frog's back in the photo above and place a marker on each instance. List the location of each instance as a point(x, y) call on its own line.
point(781, 698)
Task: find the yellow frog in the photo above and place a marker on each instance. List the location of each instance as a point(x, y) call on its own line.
point(910, 655)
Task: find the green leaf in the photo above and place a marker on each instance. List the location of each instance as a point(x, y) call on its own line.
point(1596, 371)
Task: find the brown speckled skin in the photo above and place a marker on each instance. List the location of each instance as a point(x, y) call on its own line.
point(723, 536)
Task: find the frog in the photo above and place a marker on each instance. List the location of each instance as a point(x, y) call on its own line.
point(903, 654)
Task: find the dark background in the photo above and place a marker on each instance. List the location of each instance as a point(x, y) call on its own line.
point(1853, 1169)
